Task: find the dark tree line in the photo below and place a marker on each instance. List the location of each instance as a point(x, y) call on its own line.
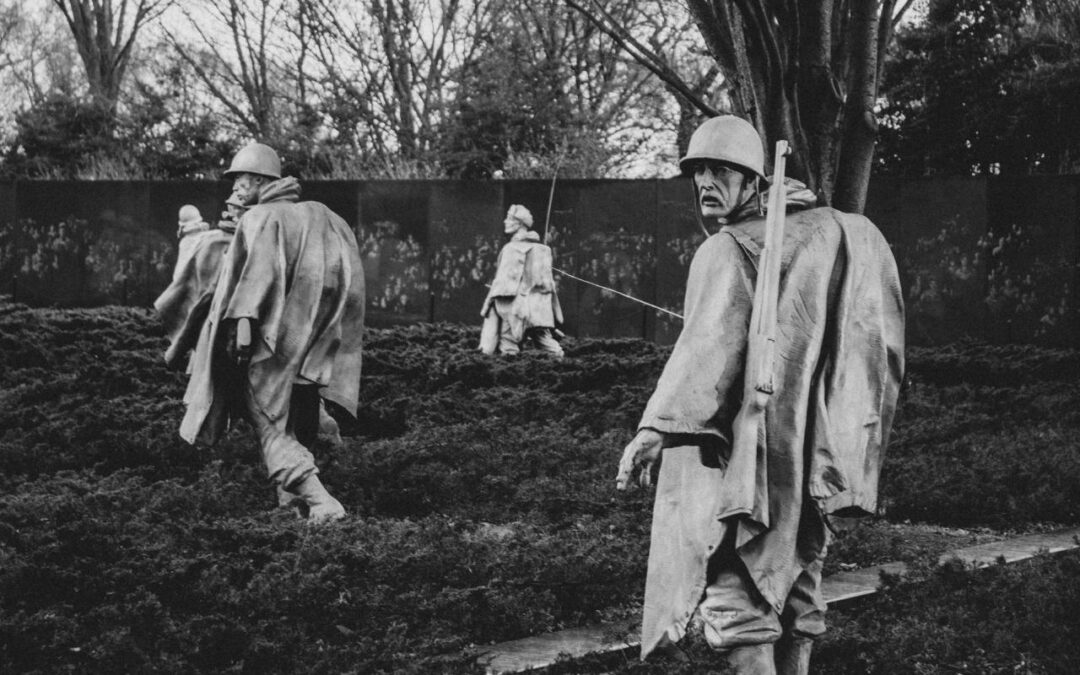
point(985, 88)
point(437, 88)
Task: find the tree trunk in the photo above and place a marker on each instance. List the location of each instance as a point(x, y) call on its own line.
point(104, 42)
point(820, 100)
point(859, 126)
point(805, 71)
point(752, 50)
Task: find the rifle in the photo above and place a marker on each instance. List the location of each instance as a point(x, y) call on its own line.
point(767, 290)
point(551, 199)
point(761, 346)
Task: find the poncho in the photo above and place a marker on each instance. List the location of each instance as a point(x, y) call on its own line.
point(523, 279)
point(184, 305)
point(839, 363)
point(293, 269)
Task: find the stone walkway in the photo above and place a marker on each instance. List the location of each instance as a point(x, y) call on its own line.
point(543, 650)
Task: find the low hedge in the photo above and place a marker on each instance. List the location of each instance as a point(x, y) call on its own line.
point(480, 491)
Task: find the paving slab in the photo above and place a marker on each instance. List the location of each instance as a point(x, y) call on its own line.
point(853, 584)
point(540, 651)
point(1017, 548)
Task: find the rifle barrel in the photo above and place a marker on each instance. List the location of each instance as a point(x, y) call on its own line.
point(767, 292)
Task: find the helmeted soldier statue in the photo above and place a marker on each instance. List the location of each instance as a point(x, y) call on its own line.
point(184, 305)
point(740, 528)
point(284, 328)
point(522, 304)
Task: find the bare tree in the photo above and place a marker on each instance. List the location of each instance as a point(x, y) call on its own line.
point(239, 50)
point(35, 56)
point(604, 91)
point(693, 78)
point(562, 93)
point(804, 71)
point(393, 63)
point(10, 20)
point(105, 34)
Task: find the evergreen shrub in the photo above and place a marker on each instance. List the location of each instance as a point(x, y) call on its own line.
point(480, 492)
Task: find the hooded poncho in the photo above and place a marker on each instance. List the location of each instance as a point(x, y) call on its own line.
point(839, 363)
point(294, 270)
point(524, 285)
point(183, 306)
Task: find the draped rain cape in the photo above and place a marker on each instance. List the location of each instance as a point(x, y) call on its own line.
point(838, 367)
point(294, 269)
point(524, 285)
point(184, 305)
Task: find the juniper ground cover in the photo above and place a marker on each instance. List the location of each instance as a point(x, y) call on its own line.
point(481, 507)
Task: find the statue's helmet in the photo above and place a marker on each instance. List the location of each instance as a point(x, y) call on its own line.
point(189, 214)
point(521, 214)
point(729, 139)
point(255, 158)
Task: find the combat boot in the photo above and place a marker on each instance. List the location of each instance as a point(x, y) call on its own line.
point(321, 507)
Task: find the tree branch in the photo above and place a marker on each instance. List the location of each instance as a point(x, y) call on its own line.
point(645, 57)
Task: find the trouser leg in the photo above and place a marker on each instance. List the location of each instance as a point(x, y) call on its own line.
point(508, 343)
point(793, 655)
point(758, 640)
point(733, 612)
point(304, 418)
point(804, 611)
point(738, 620)
point(286, 459)
point(803, 620)
point(489, 332)
point(307, 421)
point(288, 463)
point(753, 660)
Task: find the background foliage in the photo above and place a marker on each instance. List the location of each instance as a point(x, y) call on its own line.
point(983, 87)
point(426, 89)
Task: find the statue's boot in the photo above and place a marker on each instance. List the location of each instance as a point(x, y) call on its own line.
point(753, 660)
point(321, 506)
point(793, 656)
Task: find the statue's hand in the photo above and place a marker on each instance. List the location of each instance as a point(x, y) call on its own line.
point(639, 456)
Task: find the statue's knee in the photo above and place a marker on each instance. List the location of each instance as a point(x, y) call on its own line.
point(729, 627)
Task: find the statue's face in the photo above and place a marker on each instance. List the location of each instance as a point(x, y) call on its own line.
point(720, 188)
point(511, 225)
point(246, 187)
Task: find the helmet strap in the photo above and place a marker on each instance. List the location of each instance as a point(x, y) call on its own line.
point(757, 195)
